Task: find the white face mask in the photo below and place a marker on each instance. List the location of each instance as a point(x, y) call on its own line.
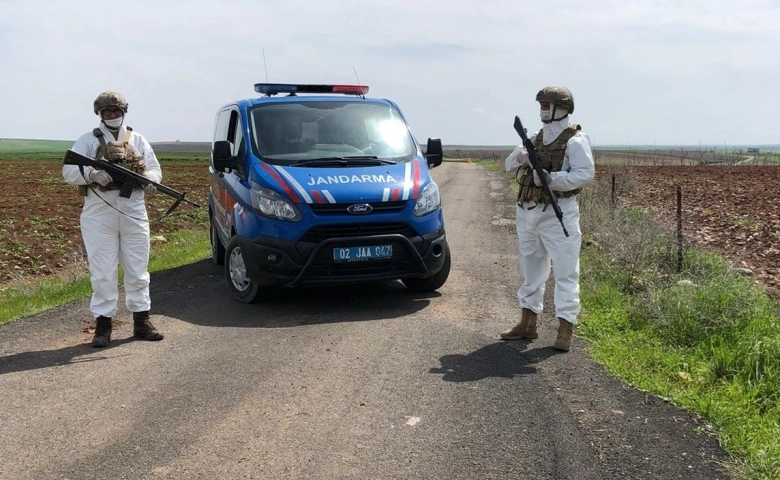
point(546, 115)
point(114, 122)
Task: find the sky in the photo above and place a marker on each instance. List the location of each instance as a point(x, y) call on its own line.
point(683, 72)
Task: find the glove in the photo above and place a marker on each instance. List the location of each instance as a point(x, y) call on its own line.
point(538, 182)
point(101, 177)
point(150, 189)
point(513, 161)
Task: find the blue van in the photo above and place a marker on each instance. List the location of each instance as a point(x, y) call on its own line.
point(320, 185)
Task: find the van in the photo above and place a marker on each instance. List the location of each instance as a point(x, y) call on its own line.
point(315, 185)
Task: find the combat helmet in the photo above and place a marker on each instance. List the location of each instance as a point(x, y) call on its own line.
point(558, 96)
point(109, 99)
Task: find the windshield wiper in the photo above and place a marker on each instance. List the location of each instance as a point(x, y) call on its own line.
point(344, 161)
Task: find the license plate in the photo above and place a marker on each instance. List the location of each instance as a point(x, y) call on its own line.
point(358, 254)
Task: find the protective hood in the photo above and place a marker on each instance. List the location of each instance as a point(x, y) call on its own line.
point(550, 131)
point(385, 183)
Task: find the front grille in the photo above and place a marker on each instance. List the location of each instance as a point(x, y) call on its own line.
point(378, 207)
point(325, 232)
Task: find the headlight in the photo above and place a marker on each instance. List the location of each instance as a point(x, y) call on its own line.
point(429, 200)
point(271, 204)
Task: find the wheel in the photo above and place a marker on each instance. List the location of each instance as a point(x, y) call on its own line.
point(217, 248)
point(435, 281)
point(243, 288)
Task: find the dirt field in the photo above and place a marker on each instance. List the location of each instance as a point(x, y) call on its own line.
point(39, 215)
point(730, 210)
point(733, 210)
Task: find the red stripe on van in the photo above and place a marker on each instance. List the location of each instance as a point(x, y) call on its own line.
point(282, 182)
point(416, 176)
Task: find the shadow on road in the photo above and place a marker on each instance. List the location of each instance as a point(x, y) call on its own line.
point(499, 359)
point(198, 294)
point(51, 358)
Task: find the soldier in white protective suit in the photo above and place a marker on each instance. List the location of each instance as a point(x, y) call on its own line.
point(115, 229)
point(565, 155)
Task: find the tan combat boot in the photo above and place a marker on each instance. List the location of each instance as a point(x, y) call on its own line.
point(563, 342)
point(525, 329)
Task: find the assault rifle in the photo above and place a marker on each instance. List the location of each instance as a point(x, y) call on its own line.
point(534, 159)
point(128, 178)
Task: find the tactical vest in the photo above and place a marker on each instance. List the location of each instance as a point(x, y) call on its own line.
point(551, 159)
point(116, 152)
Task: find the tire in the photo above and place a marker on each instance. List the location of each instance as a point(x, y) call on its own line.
point(243, 288)
point(435, 281)
point(217, 248)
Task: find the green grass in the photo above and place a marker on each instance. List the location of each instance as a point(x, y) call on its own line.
point(15, 145)
point(707, 340)
point(28, 298)
point(704, 337)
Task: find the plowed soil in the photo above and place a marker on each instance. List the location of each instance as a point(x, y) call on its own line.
point(39, 215)
point(732, 210)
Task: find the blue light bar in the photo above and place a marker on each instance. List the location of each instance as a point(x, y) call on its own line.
point(274, 88)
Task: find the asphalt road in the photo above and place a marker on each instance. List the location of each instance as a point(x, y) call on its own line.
point(366, 382)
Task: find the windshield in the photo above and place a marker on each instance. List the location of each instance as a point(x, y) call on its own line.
point(328, 133)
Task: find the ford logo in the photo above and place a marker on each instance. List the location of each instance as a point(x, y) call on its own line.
point(360, 208)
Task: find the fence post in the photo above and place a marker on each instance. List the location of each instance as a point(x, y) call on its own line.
point(679, 231)
point(613, 190)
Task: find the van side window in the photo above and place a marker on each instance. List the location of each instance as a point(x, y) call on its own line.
point(221, 125)
point(234, 133)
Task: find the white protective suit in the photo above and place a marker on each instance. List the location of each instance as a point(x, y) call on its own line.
point(111, 236)
point(540, 237)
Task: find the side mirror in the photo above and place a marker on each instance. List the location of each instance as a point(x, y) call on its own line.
point(434, 153)
point(222, 158)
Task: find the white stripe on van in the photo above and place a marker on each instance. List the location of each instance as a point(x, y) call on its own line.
point(297, 186)
point(408, 180)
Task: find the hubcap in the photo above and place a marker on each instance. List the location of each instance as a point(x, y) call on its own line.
point(237, 270)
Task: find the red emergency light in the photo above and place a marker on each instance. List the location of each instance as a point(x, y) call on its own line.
point(351, 89)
